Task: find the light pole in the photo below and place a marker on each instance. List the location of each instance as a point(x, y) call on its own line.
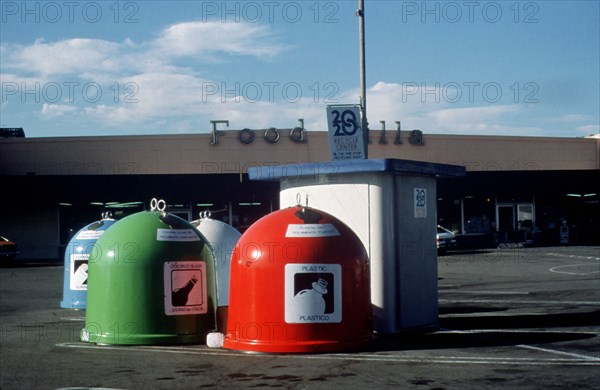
point(360, 12)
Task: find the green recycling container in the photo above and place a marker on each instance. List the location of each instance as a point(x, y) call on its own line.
point(151, 281)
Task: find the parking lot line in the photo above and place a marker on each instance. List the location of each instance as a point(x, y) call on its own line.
point(397, 357)
point(559, 270)
point(536, 303)
point(557, 352)
point(487, 292)
point(573, 256)
point(80, 319)
point(517, 331)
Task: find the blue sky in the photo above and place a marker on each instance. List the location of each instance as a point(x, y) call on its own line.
point(80, 68)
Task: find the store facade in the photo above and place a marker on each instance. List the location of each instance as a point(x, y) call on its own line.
point(517, 189)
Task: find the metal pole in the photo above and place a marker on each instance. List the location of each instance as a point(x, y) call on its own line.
point(363, 89)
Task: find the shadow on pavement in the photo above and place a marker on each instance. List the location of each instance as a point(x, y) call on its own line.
point(474, 339)
point(493, 331)
point(556, 320)
point(29, 263)
point(468, 309)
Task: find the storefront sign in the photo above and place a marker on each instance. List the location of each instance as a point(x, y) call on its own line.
point(272, 135)
point(346, 138)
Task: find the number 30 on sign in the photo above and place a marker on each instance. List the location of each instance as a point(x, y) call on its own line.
point(346, 138)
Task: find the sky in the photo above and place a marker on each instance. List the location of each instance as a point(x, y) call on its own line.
point(88, 68)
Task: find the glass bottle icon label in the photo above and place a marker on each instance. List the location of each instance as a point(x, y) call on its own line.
point(185, 288)
point(180, 296)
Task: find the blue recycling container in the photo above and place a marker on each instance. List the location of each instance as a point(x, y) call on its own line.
point(77, 254)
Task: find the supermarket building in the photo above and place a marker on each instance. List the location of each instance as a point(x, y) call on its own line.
point(517, 189)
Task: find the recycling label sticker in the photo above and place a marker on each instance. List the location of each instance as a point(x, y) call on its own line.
point(89, 234)
point(185, 288)
point(79, 271)
point(313, 293)
point(181, 235)
point(311, 230)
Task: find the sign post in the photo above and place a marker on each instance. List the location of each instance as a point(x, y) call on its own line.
point(346, 136)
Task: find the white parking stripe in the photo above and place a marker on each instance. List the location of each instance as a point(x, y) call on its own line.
point(487, 292)
point(556, 270)
point(517, 331)
point(573, 256)
point(384, 357)
point(536, 303)
point(556, 352)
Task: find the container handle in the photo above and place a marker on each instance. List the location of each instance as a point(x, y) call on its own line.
point(158, 205)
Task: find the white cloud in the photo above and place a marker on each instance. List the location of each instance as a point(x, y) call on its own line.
point(589, 129)
point(196, 39)
point(428, 108)
point(140, 83)
point(146, 89)
point(98, 59)
point(573, 118)
point(145, 97)
point(185, 102)
point(491, 120)
point(436, 110)
point(66, 57)
point(56, 110)
point(472, 114)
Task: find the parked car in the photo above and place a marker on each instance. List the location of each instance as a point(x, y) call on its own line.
point(8, 249)
point(445, 239)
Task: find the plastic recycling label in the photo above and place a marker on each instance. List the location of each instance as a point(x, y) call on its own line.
point(313, 293)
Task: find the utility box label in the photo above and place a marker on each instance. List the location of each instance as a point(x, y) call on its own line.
point(79, 271)
point(185, 288)
point(313, 293)
point(420, 201)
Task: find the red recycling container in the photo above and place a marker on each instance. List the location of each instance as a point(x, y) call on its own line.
point(299, 283)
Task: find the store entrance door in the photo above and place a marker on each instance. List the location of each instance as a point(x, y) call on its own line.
point(505, 218)
point(515, 222)
point(525, 226)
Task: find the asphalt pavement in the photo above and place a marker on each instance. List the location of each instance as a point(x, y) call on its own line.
point(526, 318)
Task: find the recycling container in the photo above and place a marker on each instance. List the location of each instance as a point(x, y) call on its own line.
point(391, 205)
point(299, 283)
point(76, 262)
point(222, 238)
point(151, 281)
